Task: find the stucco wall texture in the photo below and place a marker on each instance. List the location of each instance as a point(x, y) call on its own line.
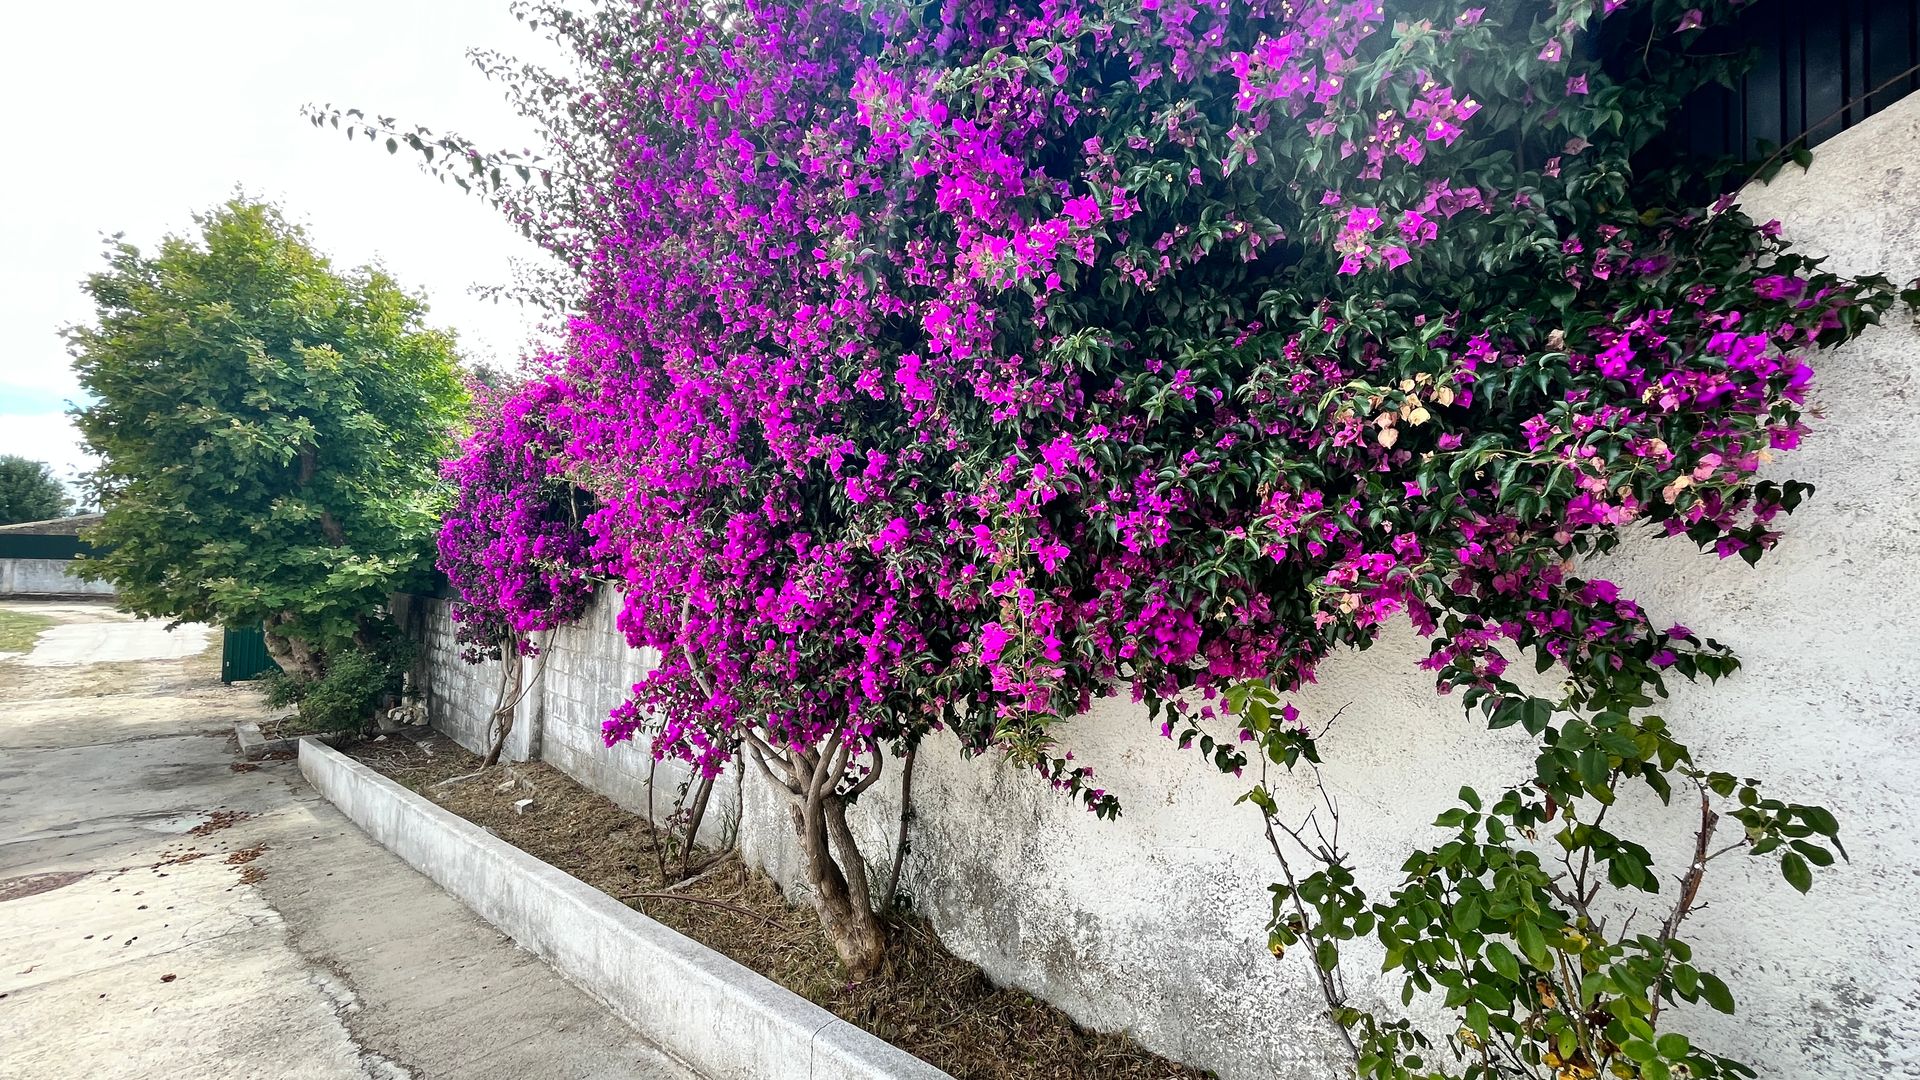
point(1154, 924)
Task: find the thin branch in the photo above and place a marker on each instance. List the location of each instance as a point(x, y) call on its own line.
point(823, 767)
point(759, 751)
point(1689, 891)
point(868, 780)
point(722, 904)
point(900, 841)
point(1735, 846)
point(653, 833)
point(707, 869)
point(1823, 122)
point(694, 817)
point(1690, 881)
point(1333, 993)
point(1328, 726)
point(452, 780)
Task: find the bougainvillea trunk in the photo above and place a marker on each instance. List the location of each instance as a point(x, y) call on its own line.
point(504, 708)
point(696, 814)
point(838, 874)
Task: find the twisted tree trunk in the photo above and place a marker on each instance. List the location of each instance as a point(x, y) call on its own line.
point(835, 868)
point(295, 657)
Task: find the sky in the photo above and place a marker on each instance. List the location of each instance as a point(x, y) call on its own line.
point(129, 116)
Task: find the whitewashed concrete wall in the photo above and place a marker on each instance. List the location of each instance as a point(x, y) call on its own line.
point(1155, 924)
point(580, 673)
point(460, 697)
point(46, 577)
point(590, 670)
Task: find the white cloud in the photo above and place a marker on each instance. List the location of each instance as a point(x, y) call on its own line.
point(144, 113)
point(48, 437)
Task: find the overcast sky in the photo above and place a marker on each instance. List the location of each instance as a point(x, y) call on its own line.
point(130, 115)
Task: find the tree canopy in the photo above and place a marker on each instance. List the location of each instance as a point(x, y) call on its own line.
point(29, 491)
point(270, 430)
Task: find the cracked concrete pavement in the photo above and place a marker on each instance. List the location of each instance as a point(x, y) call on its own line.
point(166, 914)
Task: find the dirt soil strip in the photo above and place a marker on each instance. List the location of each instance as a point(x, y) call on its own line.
point(929, 1002)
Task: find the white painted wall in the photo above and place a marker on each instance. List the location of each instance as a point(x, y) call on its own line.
point(582, 671)
point(46, 577)
point(1155, 924)
point(460, 697)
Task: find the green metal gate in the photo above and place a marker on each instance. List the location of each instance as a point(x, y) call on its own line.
point(243, 654)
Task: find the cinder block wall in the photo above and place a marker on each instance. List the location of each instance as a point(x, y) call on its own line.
point(590, 670)
point(581, 672)
point(1154, 924)
point(460, 696)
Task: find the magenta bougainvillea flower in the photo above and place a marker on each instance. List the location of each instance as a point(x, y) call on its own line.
point(958, 364)
point(953, 365)
point(513, 544)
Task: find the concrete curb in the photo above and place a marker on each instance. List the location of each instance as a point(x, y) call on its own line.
point(723, 1019)
point(254, 745)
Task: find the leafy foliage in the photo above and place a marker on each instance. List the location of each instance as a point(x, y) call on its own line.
point(357, 678)
point(269, 429)
point(953, 365)
point(29, 491)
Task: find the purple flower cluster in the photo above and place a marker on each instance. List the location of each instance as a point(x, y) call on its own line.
point(955, 364)
point(513, 545)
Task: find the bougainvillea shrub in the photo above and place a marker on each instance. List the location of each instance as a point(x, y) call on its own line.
point(987, 360)
point(514, 546)
point(956, 364)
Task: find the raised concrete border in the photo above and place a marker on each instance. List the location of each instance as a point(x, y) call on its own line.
point(254, 744)
point(723, 1019)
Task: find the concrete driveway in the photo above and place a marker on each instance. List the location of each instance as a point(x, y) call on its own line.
point(166, 911)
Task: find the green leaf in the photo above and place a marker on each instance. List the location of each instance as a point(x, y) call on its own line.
point(1466, 915)
point(1795, 869)
point(1327, 955)
point(1716, 992)
point(1533, 944)
point(1502, 960)
point(1686, 980)
point(1820, 820)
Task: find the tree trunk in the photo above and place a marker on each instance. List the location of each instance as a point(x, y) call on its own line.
point(694, 817)
point(900, 841)
point(503, 709)
point(840, 897)
point(294, 656)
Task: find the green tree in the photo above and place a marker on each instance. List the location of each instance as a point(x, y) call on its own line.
point(29, 491)
point(270, 430)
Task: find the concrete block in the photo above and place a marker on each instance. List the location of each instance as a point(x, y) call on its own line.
point(253, 745)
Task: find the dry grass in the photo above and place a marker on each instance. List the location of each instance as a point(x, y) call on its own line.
point(929, 1002)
